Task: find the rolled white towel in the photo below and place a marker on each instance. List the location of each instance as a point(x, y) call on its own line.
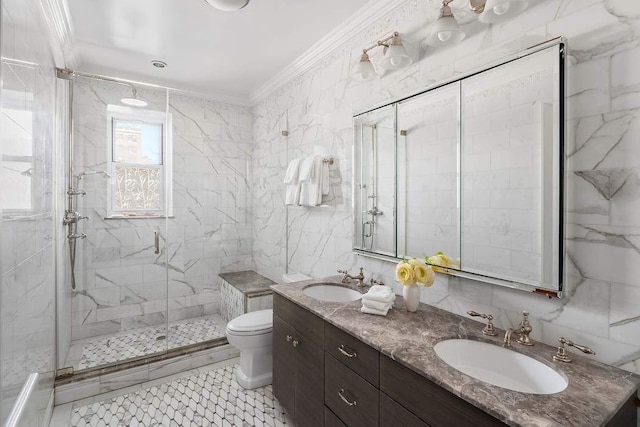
point(377, 305)
point(374, 311)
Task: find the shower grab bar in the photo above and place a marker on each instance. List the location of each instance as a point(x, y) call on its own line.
point(156, 237)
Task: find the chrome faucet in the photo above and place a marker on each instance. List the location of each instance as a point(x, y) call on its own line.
point(347, 277)
point(524, 329)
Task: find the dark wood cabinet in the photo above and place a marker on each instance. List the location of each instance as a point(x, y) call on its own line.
point(430, 402)
point(394, 414)
point(348, 395)
point(298, 362)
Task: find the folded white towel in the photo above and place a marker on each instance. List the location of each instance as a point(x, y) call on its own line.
point(377, 305)
point(380, 293)
point(385, 300)
point(380, 290)
point(292, 195)
point(311, 189)
point(326, 185)
point(306, 169)
point(374, 311)
point(291, 175)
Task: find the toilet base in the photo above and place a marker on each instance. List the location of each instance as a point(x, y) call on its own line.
point(253, 382)
point(255, 368)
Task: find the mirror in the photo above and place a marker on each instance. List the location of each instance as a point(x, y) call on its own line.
point(374, 183)
point(472, 170)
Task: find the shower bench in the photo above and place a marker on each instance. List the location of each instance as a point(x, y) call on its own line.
point(243, 292)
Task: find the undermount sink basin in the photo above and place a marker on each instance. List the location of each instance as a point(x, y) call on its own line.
point(500, 367)
point(331, 292)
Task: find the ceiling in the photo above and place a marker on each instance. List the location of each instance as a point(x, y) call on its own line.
point(207, 50)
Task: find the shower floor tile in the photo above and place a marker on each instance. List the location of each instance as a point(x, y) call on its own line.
point(209, 397)
point(121, 346)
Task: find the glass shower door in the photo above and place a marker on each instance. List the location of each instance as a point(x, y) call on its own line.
point(117, 186)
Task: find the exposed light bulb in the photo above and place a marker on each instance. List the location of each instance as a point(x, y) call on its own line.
point(501, 9)
point(444, 36)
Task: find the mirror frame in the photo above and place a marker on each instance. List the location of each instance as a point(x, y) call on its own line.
point(560, 43)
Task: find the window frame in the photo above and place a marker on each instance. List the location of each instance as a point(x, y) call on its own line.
point(122, 113)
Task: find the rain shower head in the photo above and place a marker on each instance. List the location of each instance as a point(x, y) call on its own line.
point(134, 101)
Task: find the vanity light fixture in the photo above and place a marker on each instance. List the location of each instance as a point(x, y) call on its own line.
point(394, 56)
point(134, 101)
point(228, 5)
point(446, 30)
point(500, 10)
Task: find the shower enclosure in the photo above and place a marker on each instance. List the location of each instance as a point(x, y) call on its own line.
point(156, 206)
point(375, 159)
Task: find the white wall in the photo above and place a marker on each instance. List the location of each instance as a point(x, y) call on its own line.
point(600, 308)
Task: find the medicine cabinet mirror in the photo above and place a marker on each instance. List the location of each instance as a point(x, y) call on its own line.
point(471, 169)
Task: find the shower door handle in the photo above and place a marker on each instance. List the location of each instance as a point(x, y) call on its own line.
point(156, 238)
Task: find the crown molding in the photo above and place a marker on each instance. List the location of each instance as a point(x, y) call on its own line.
point(363, 19)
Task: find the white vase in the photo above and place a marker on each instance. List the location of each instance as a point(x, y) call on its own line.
point(411, 295)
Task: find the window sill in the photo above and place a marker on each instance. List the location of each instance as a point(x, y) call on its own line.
point(117, 217)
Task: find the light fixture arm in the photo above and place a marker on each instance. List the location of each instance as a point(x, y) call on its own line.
point(382, 42)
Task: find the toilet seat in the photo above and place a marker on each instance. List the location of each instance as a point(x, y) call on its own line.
point(253, 323)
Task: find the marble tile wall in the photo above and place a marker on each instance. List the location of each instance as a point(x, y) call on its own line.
point(600, 308)
point(27, 253)
point(121, 282)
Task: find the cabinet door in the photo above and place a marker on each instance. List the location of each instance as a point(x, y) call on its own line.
point(309, 379)
point(284, 365)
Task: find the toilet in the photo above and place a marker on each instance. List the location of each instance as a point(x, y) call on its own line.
point(252, 334)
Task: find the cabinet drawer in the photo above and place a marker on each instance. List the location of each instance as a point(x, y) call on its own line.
point(305, 322)
point(362, 359)
point(431, 403)
point(394, 414)
point(331, 419)
point(350, 397)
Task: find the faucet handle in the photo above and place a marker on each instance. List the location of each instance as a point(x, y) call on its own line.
point(488, 329)
point(525, 330)
point(563, 356)
point(376, 282)
point(343, 271)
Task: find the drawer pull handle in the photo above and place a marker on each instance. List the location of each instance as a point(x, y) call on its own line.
point(295, 343)
point(344, 399)
point(288, 338)
point(342, 349)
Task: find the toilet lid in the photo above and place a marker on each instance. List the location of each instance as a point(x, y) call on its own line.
point(255, 321)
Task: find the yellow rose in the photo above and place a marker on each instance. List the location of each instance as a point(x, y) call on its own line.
point(423, 274)
point(405, 274)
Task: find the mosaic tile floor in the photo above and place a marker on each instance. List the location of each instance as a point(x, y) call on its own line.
point(126, 345)
point(208, 398)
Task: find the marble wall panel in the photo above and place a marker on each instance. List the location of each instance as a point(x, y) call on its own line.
point(602, 158)
point(122, 283)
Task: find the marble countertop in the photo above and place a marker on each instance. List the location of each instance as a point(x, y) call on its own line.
point(595, 392)
point(248, 282)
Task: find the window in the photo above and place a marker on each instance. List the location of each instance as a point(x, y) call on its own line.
point(139, 159)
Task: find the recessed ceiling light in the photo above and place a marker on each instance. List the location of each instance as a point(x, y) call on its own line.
point(158, 64)
point(228, 5)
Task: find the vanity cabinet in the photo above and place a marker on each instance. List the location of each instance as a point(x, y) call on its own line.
point(427, 401)
point(298, 362)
